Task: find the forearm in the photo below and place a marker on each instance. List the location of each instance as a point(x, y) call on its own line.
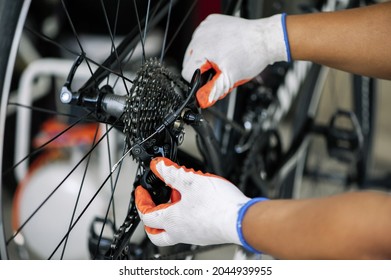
point(348, 226)
point(356, 40)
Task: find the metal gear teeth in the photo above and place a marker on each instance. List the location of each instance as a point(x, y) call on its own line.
point(152, 97)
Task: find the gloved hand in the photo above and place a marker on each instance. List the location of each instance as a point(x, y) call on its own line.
point(204, 209)
point(237, 49)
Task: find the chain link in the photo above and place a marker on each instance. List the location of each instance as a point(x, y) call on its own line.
point(155, 93)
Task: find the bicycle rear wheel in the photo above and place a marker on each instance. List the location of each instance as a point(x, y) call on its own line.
point(57, 160)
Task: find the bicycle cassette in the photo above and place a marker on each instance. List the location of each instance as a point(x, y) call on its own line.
point(155, 93)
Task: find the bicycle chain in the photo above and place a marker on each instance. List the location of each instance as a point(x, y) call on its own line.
point(120, 247)
point(153, 96)
point(260, 160)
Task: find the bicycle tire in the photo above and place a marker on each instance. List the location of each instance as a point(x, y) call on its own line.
point(11, 28)
point(365, 101)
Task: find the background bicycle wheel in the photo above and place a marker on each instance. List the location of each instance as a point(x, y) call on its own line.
point(337, 95)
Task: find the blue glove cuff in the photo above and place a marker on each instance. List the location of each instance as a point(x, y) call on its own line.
point(242, 212)
point(287, 46)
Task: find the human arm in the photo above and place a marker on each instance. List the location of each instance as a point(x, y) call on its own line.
point(348, 226)
point(355, 40)
point(204, 210)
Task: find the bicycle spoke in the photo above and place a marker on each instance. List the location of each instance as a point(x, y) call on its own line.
point(111, 179)
point(82, 213)
point(125, 62)
point(140, 31)
point(58, 186)
point(116, 18)
point(146, 22)
point(42, 110)
point(40, 148)
point(113, 44)
point(144, 38)
point(166, 31)
point(79, 192)
point(75, 53)
point(111, 202)
point(75, 32)
point(185, 18)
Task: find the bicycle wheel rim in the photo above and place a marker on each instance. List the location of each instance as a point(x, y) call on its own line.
point(18, 11)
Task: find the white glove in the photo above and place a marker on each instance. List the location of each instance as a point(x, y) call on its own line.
point(237, 49)
point(203, 209)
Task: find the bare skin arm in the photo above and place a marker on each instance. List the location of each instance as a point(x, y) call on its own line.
point(356, 40)
point(347, 226)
